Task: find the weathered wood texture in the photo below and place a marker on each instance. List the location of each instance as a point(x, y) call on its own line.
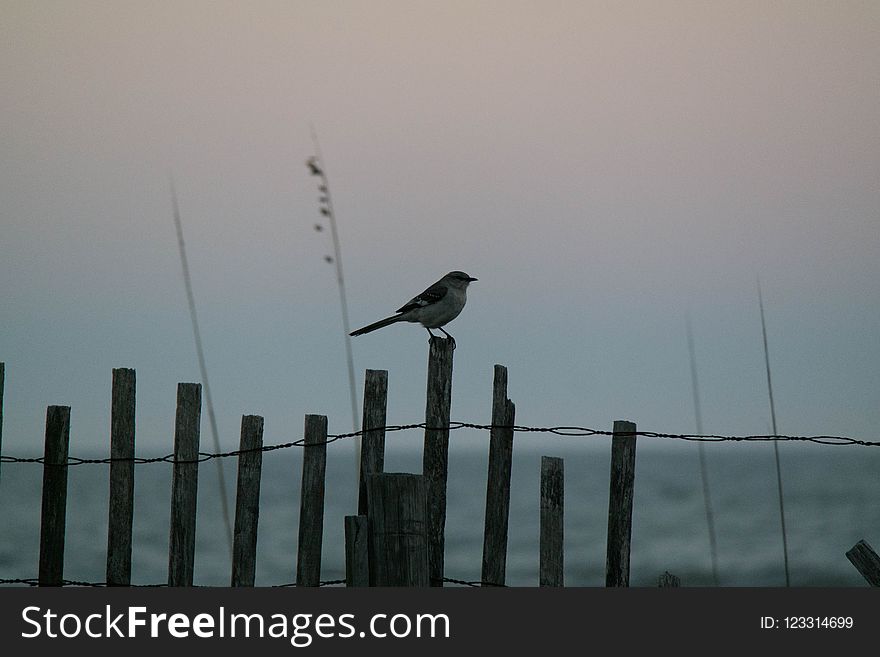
point(184, 485)
point(436, 452)
point(311, 509)
point(397, 529)
point(552, 510)
point(121, 507)
point(373, 427)
point(620, 504)
point(247, 502)
point(357, 568)
point(54, 507)
point(866, 561)
point(498, 483)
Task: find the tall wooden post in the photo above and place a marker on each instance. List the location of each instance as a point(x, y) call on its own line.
point(620, 503)
point(498, 482)
point(121, 507)
point(184, 485)
point(54, 512)
point(436, 453)
point(398, 543)
point(373, 426)
point(311, 509)
point(247, 502)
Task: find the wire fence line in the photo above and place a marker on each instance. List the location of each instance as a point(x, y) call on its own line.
point(562, 431)
point(33, 581)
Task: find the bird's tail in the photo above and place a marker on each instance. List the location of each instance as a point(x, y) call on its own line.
point(377, 325)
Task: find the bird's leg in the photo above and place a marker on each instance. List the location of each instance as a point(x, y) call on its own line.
point(429, 333)
point(449, 337)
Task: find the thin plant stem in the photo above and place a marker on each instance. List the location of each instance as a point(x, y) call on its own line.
point(203, 368)
point(775, 444)
point(330, 213)
point(704, 474)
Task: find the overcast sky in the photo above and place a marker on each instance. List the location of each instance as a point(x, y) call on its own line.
point(604, 168)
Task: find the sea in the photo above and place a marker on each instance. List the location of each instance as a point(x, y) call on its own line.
point(831, 500)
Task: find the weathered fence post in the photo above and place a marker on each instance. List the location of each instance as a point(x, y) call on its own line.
point(436, 452)
point(247, 502)
point(397, 528)
point(552, 508)
point(54, 511)
point(357, 568)
point(184, 485)
point(866, 561)
point(498, 482)
point(373, 427)
point(311, 508)
point(620, 503)
point(121, 507)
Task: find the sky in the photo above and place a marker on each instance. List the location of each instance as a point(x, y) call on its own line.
point(605, 169)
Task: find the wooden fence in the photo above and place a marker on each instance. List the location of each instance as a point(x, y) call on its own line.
point(397, 536)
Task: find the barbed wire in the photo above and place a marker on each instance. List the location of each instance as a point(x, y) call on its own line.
point(33, 581)
point(562, 431)
point(469, 583)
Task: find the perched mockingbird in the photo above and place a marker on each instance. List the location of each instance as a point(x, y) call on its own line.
point(433, 308)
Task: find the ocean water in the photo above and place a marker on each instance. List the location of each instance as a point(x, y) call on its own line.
point(831, 501)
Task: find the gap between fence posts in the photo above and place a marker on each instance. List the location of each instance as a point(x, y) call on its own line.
point(121, 506)
point(247, 502)
point(498, 482)
point(552, 552)
point(357, 560)
point(373, 427)
point(54, 505)
point(866, 561)
point(620, 503)
point(397, 530)
point(184, 485)
point(435, 461)
point(311, 508)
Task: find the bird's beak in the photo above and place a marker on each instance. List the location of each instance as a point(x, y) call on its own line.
point(471, 279)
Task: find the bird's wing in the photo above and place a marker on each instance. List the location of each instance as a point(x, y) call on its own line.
point(430, 296)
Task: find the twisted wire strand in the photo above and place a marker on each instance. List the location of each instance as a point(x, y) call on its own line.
point(566, 431)
point(33, 581)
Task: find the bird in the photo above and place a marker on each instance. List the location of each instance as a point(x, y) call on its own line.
point(434, 308)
